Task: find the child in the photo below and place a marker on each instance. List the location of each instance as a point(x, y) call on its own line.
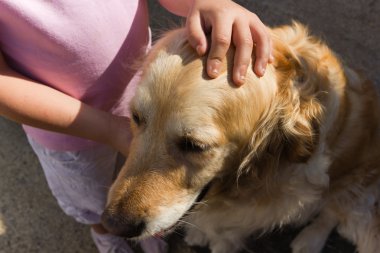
point(65, 75)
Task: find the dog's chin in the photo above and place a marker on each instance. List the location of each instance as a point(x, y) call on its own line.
point(167, 226)
point(169, 230)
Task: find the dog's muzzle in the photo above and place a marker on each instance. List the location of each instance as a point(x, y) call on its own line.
point(118, 222)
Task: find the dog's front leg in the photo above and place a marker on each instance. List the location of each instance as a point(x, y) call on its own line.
point(313, 237)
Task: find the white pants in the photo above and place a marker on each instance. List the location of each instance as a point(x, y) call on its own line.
point(79, 180)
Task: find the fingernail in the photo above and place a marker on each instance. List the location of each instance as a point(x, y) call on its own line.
point(242, 78)
point(271, 58)
point(214, 68)
point(242, 71)
point(199, 49)
point(261, 70)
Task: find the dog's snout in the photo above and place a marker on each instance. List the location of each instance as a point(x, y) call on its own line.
point(122, 225)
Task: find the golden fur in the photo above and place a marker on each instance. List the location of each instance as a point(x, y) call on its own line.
point(300, 144)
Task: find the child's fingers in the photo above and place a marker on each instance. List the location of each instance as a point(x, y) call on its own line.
point(220, 43)
point(243, 42)
point(271, 57)
point(196, 34)
point(263, 46)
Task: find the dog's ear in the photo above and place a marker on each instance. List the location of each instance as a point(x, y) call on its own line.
point(291, 136)
point(289, 129)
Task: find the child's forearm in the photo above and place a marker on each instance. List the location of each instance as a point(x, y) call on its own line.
point(177, 7)
point(28, 102)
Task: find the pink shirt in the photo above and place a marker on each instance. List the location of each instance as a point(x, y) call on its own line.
point(84, 48)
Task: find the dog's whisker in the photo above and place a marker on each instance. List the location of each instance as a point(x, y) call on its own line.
point(190, 224)
point(177, 232)
point(244, 247)
point(204, 203)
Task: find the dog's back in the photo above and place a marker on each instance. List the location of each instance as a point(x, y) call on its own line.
point(350, 140)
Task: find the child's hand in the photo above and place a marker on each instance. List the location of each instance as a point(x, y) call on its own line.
point(228, 21)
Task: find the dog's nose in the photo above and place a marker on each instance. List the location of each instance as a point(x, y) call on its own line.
point(121, 225)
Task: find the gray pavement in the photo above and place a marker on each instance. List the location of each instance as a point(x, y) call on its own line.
point(30, 219)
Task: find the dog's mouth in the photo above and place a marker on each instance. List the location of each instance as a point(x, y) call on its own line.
point(201, 195)
point(198, 200)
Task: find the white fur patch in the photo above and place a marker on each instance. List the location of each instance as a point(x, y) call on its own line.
point(169, 215)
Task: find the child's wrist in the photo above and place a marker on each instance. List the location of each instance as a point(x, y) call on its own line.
point(119, 134)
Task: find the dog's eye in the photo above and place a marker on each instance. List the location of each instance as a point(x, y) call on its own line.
point(136, 118)
point(188, 145)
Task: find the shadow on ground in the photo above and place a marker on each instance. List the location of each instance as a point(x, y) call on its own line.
point(275, 242)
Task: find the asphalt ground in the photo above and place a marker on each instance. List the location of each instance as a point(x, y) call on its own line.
point(30, 219)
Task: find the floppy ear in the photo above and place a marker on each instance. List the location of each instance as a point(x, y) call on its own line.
point(288, 131)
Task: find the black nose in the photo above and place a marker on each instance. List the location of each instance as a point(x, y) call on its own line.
point(122, 225)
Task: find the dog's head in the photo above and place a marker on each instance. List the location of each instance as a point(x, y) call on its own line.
point(191, 132)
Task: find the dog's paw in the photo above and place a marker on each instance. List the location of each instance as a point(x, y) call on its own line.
point(308, 241)
point(222, 246)
point(195, 238)
point(312, 238)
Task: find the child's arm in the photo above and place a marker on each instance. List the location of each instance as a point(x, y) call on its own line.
point(228, 22)
point(31, 103)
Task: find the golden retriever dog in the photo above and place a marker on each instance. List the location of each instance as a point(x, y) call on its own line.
point(300, 145)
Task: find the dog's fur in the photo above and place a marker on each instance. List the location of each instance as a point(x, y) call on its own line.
point(299, 145)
